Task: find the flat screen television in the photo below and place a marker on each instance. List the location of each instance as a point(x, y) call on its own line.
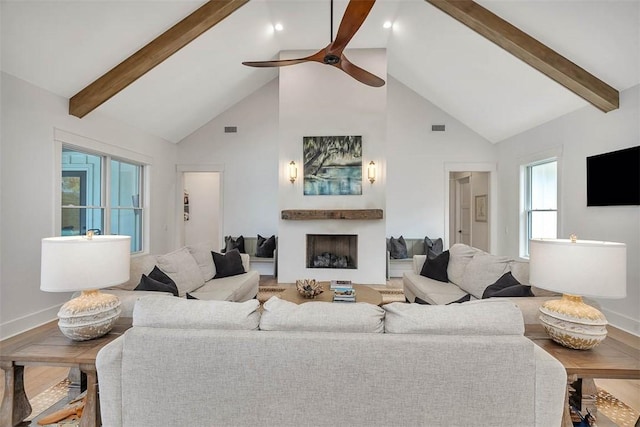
point(613, 179)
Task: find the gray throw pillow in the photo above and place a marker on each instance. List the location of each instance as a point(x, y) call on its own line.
point(230, 244)
point(265, 247)
point(436, 268)
point(229, 264)
point(398, 248)
point(433, 248)
point(507, 286)
point(157, 281)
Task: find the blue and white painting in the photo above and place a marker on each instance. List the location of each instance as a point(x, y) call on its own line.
point(332, 165)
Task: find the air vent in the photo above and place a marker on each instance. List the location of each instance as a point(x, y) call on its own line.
point(437, 128)
point(231, 129)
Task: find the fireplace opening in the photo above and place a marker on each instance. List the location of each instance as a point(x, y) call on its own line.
point(332, 251)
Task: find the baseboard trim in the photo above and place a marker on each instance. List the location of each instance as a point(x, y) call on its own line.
point(622, 322)
point(30, 321)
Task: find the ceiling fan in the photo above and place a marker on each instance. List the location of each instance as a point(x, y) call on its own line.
point(354, 16)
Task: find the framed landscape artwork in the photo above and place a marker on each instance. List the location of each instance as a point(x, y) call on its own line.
point(332, 165)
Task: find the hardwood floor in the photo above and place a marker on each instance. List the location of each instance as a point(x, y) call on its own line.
point(40, 378)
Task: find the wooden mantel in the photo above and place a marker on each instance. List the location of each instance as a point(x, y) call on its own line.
point(311, 214)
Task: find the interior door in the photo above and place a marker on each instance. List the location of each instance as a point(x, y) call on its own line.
point(463, 211)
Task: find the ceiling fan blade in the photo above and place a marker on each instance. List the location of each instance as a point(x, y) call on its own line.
point(354, 16)
point(317, 57)
point(361, 75)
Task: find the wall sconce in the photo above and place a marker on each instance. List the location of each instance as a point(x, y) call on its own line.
point(293, 171)
point(371, 172)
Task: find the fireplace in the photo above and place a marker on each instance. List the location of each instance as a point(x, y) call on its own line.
point(336, 251)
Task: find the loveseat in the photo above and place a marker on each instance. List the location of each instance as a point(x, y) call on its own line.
point(469, 272)
point(193, 271)
point(218, 363)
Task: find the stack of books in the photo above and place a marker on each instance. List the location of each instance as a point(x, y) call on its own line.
point(343, 291)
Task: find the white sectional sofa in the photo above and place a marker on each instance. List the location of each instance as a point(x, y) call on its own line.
point(471, 271)
point(192, 269)
point(216, 363)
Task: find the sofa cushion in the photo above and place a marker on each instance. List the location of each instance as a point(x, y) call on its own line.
point(157, 281)
point(230, 244)
point(179, 313)
point(265, 247)
point(487, 317)
point(482, 271)
point(140, 264)
point(182, 268)
point(202, 254)
point(397, 248)
point(429, 290)
point(280, 315)
point(228, 264)
point(436, 268)
point(459, 256)
point(507, 286)
point(233, 288)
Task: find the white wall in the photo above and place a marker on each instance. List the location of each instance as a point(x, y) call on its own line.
point(416, 158)
point(29, 116)
point(578, 135)
point(317, 100)
point(248, 158)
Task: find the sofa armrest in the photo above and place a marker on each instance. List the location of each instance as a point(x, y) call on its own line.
point(246, 261)
point(109, 368)
point(418, 262)
point(551, 389)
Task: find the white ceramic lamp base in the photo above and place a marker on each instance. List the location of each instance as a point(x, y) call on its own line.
point(89, 316)
point(572, 323)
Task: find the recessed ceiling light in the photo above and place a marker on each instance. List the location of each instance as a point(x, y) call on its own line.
point(387, 24)
point(278, 27)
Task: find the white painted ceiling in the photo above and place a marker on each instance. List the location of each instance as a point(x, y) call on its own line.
point(62, 46)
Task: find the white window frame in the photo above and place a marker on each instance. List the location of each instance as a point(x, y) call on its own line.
point(107, 152)
point(553, 155)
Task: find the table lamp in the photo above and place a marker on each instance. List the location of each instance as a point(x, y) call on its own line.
point(577, 268)
point(85, 263)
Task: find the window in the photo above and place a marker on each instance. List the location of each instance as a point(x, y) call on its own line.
point(101, 194)
point(540, 201)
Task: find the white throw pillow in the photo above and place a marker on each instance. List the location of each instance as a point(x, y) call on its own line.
point(280, 315)
point(202, 254)
point(484, 317)
point(141, 264)
point(183, 270)
point(178, 313)
point(483, 270)
point(459, 256)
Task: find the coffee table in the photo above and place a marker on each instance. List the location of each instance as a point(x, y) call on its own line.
point(363, 294)
point(611, 359)
point(46, 345)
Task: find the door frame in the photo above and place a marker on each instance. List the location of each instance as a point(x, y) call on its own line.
point(181, 169)
point(491, 168)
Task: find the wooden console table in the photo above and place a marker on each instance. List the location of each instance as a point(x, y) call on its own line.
point(612, 359)
point(46, 345)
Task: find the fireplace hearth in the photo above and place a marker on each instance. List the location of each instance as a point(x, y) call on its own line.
point(337, 251)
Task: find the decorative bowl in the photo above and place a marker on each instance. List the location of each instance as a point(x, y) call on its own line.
point(309, 288)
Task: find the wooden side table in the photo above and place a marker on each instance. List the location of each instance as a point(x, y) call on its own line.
point(46, 345)
point(611, 359)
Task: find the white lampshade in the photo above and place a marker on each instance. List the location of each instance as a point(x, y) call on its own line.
point(584, 267)
point(77, 263)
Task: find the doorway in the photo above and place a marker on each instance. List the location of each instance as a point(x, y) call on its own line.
point(200, 207)
point(470, 216)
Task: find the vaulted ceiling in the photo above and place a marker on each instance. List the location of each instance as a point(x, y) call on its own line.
point(64, 46)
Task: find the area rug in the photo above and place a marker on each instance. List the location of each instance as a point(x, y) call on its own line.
point(388, 295)
point(47, 399)
point(615, 410)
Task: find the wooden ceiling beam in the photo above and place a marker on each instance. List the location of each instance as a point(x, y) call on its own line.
point(156, 51)
point(532, 52)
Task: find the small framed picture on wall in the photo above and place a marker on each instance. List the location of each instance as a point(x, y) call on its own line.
point(481, 208)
